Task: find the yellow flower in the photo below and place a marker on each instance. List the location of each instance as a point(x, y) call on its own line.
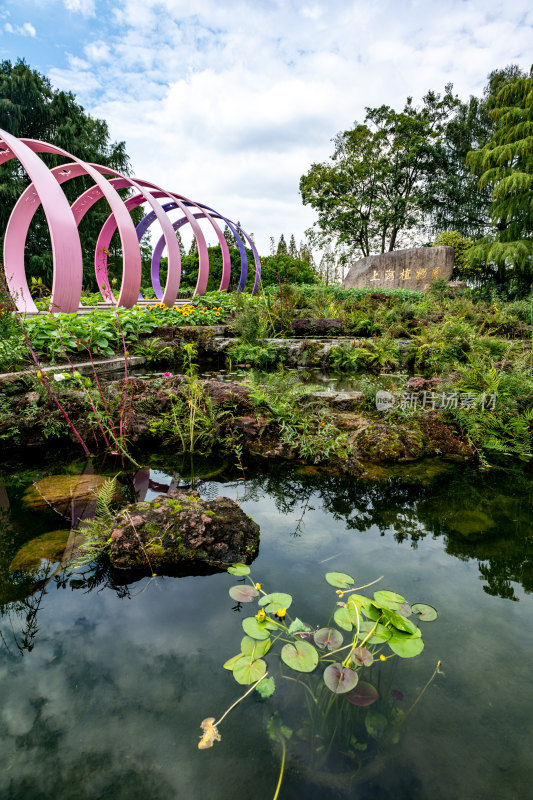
point(383, 658)
point(260, 616)
point(217, 314)
point(339, 592)
point(258, 586)
point(281, 612)
point(174, 308)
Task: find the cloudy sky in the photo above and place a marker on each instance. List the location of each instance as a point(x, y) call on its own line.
point(230, 103)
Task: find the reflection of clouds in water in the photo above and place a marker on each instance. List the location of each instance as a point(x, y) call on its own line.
point(117, 692)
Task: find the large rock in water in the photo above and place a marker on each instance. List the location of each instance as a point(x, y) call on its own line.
point(180, 527)
point(71, 496)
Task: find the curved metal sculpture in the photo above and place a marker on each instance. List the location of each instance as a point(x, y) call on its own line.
point(63, 221)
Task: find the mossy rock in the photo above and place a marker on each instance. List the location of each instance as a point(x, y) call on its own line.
point(71, 496)
point(178, 528)
point(48, 547)
point(380, 443)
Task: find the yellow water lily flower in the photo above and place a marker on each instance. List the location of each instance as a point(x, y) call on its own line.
point(258, 586)
point(280, 613)
point(260, 616)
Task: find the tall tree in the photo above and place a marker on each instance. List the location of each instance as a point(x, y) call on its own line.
point(282, 249)
point(30, 107)
point(505, 165)
point(293, 250)
point(456, 201)
point(373, 191)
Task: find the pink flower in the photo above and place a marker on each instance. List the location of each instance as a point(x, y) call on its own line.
point(167, 374)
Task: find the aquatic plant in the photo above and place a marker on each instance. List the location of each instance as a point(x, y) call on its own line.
point(334, 675)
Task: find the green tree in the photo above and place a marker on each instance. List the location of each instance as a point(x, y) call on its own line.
point(373, 191)
point(284, 269)
point(30, 107)
point(293, 250)
point(505, 165)
point(461, 245)
point(282, 249)
point(456, 201)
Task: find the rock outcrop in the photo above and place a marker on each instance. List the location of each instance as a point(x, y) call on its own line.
point(179, 527)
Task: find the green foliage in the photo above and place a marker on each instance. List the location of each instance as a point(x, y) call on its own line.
point(373, 189)
point(30, 107)
point(284, 268)
point(97, 530)
point(505, 164)
point(461, 245)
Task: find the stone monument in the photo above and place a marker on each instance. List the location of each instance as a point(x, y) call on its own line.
point(414, 268)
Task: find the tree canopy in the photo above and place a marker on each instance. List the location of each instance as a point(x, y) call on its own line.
point(30, 107)
point(505, 166)
point(373, 190)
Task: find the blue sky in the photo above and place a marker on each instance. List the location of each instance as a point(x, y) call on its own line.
point(230, 103)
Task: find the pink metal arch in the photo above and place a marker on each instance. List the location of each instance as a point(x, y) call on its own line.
point(63, 220)
point(66, 248)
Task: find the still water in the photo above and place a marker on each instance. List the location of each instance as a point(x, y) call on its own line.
point(103, 686)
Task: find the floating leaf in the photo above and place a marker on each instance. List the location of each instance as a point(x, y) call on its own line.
point(424, 612)
point(340, 580)
point(328, 638)
point(230, 663)
point(363, 695)
point(375, 723)
point(248, 670)
point(380, 634)
point(276, 730)
point(275, 601)
point(266, 688)
point(364, 605)
point(300, 656)
point(340, 679)
point(297, 626)
point(239, 569)
point(406, 646)
point(243, 594)
point(342, 619)
point(405, 610)
point(401, 623)
point(210, 734)
point(255, 629)
point(389, 600)
point(255, 648)
point(362, 657)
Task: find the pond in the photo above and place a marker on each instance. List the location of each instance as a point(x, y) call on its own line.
point(103, 686)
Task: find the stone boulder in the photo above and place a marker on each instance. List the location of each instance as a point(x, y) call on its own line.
point(178, 528)
point(413, 268)
point(317, 327)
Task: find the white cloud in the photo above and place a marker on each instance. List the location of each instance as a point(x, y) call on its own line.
point(26, 29)
point(232, 105)
point(84, 7)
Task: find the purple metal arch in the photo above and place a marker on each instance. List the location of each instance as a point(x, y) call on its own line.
point(63, 221)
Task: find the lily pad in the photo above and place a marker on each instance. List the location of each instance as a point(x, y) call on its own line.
point(339, 679)
point(275, 601)
point(255, 629)
point(401, 623)
point(342, 619)
point(300, 656)
point(239, 569)
point(364, 606)
point(380, 634)
point(248, 670)
point(424, 612)
point(328, 638)
point(363, 695)
point(255, 648)
point(389, 600)
point(362, 657)
point(243, 594)
point(266, 688)
point(340, 580)
point(375, 723)
point(230, 663)
point(406, 646)
point(297, 626)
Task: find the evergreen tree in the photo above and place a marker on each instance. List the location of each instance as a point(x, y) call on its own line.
point(228, 236)
point(30, 107)
point(194, 247)
point(505, 164)
point(272, 246)
point(180, 243)
point(282, 246)
point(293, 250)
